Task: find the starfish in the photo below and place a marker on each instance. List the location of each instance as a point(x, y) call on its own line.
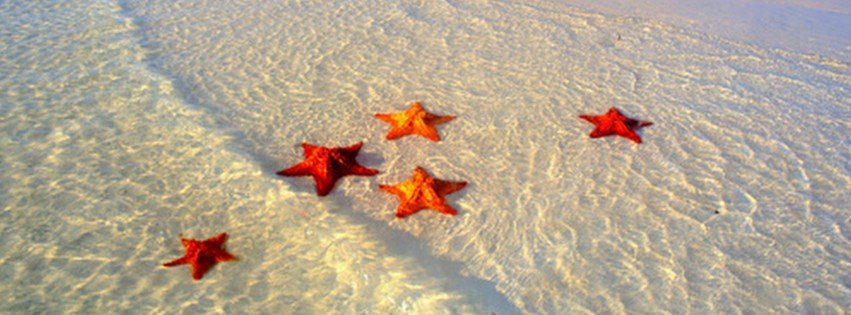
point(421, 192)
point(615, 123)
point(202, 254)
point(327, 165)
point(415, 120)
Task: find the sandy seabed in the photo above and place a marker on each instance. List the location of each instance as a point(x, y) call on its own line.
point(126, 124)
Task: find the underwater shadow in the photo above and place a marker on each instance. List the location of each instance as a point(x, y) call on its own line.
point(402, 244)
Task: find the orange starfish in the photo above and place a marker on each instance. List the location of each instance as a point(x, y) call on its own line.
point(615, 123)
point(415, 120)
point(327, 165)
point(421, 192)
point(202, 254)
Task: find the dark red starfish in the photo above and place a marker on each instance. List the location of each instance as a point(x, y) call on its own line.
point(615, 123)
point(203, 254)
point(327, 165)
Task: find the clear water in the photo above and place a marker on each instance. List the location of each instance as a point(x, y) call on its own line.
point(126, 124)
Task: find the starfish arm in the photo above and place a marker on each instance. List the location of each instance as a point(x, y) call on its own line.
point(435, 119)
point(187, 242)
point(406, 209)
point(613, 111)
point(589, 118)
point(300, 169)
point(200, 267)
point(393, 190)
point(177, 262)
point(634, 137)
point(352, 150)
point(624, 131)
point(217, 240)
point(396, 133)
point(308, 148)
point(224, 256)
point(426, 130)
point(415, 107)
point(597, 133)
point(324, 184)
point(429, 132)
point(445, 209)
point(388, 118)
point(420, 173)
point(642, 124)
point(444, 188)
point(361, 170)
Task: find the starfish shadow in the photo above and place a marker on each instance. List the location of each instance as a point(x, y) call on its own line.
point(371, 159)
point(453, 198)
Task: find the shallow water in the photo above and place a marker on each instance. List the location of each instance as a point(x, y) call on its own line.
point(126, 124)
point(806, 26)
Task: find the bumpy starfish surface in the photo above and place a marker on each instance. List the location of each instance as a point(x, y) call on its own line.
point(421, 192)
point(415, 120)
point(615, 123)
point(202, 255)
point(327, 165)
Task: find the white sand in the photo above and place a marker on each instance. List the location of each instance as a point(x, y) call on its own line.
point(805, 26)
point(125, 125)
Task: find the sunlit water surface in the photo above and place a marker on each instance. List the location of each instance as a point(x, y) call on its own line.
point(126, 124)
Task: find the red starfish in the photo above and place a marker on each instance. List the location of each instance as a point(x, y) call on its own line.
point(327, 165)
point(415, 120)
point(203, 254)
point(615, 123)
point(421, 192)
